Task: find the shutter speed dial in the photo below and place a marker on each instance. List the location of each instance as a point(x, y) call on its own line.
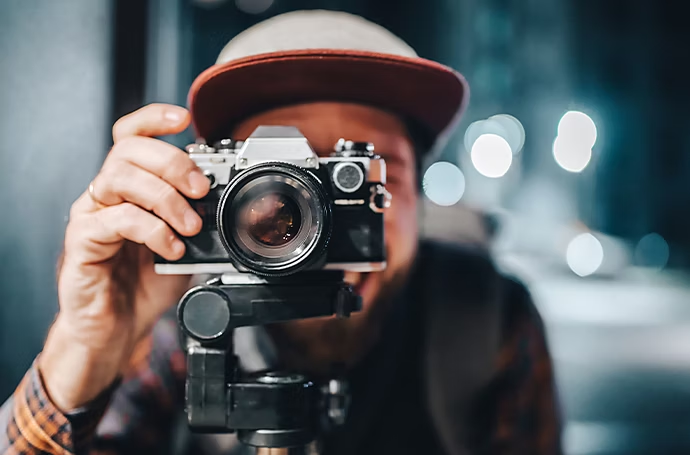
point(351, 148)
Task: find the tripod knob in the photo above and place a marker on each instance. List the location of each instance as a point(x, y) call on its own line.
point(204, 313)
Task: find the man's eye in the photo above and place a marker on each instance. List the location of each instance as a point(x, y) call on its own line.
point(394, 173)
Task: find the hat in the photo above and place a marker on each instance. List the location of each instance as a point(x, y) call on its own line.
point(308, 56)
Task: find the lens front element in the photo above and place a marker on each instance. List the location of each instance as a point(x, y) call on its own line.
point(274, 219)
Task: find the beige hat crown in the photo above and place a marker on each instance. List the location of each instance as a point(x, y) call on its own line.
point(314, 29)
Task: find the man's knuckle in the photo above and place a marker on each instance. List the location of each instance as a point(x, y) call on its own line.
point(106, 180)
point(126, 211)
point(72, 230)
point(156, 107)
point(171, 175)
point(180, 167)
point(74, 210)
point(159, 230)
point(167, 195)
point(118, 126)
point(123, 146)
point(164, 199)
point(80, 229)
point(123, 125)
point(153, 112)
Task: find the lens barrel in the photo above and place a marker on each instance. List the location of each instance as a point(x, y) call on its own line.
point(274, 219)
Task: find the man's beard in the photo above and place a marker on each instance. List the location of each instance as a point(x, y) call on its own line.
point(326, 346)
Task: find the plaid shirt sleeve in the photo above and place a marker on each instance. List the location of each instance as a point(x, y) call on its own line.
point(33, 425)
point(127, 418)
point(519, 410)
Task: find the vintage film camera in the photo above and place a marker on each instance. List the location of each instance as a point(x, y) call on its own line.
point(280, 228)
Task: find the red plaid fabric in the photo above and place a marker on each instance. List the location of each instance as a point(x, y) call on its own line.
point(33, 425)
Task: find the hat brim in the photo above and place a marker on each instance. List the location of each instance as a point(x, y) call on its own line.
point(428, 93)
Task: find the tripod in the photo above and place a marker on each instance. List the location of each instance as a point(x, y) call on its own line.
point(273, 410)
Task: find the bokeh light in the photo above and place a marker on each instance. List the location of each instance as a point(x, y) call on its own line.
point(253, 6)
point(444, 183)
point(584, 254)
point(652, 251)
point(491, 155)
point(473, 132)
point(504, 125)
point(578, 128)
point(571, 155)
point(514, 131)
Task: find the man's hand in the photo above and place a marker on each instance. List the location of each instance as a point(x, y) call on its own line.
point(109, 295)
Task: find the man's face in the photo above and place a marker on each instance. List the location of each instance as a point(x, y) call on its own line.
point(317, 343)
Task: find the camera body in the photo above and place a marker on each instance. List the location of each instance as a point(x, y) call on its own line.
point(275, 208)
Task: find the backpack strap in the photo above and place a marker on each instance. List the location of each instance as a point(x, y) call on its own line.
point(461, 336)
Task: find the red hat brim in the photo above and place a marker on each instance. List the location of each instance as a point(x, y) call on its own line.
point(431, 94)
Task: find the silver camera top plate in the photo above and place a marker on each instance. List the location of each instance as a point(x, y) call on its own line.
point(276, 143)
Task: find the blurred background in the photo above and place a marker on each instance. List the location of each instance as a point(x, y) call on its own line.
point(572, 165)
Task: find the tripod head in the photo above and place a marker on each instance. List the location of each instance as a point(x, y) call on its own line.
point(268, 409)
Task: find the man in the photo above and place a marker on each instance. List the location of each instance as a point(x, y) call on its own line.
point(446, 356)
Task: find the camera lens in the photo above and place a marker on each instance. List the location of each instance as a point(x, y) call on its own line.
point(273, 219)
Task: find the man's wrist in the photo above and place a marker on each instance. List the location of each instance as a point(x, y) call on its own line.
point(84, 420)
point(45, 427)
point(71, 373)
